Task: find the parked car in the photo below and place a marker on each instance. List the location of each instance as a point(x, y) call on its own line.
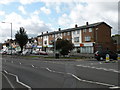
point(35, 52)
point(101, 55)
point(43, 53)
point(9, 52)
point(26, 52)
point(2, 52)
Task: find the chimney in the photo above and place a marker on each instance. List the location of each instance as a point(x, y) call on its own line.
point(87, 23)
point(59, 29)
point(47, 32)
point(42, 33)
point(76, 26)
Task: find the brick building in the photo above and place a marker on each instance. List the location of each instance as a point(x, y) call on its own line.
point(87, 39)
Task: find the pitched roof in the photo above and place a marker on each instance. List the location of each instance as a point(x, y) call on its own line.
point(77, 28)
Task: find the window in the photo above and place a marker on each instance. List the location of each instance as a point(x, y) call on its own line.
point(65, 34)
point(84, 30)
point(90, 29)
point(87, 38)
point(73, 32)
point(76, 39)
point(78, 32)
point(68, 33)
point(40, 42)
point(45, 42)
point(52, 35)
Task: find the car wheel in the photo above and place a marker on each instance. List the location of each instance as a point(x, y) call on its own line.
point(101, 58)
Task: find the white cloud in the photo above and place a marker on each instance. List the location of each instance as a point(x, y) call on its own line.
point(21, 8)
point(64, 20)
point(92, 12)
point(58, 10)
point(33, 25)
point(6, 1)
point(28, 1)
point(2, 13)
point(45, 10)
point(24, 2)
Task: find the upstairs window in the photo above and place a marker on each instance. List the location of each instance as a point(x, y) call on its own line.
point(87, 38)
point(73, 32)
point(90, 29)
point(65, 34)
point(68, 33)
point(78, 32)
point(84, 30)
point(76, 39)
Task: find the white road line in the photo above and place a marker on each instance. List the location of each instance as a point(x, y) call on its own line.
point(9, 81)
point(93, 82)
point(18, 80)
point(49, 70)
point(32, 65)
point(11, 61)
point(105, 69)
point(114, 87)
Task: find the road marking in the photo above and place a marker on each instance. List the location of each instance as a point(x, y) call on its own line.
point(11, 61)
point(114, 87)
point(33, 66)
point(49, 69)
point(93, 82)
point(17, 80)
point(105, 69)
point(9, 81)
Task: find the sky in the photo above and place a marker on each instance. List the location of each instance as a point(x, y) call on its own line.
point(38, 16)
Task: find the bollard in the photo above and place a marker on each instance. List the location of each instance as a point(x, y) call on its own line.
point(107, 57)
point(118, 58)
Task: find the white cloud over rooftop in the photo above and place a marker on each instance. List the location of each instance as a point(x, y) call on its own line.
point(50, 15)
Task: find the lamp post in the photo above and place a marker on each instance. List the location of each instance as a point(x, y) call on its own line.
point(54, 45)
point(11, 35)
point(96, 39)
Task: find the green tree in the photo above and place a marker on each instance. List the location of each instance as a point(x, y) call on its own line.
point(21, 38)
point(64, 46)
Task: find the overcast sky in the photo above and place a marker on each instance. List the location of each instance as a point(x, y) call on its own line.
point(37, 16)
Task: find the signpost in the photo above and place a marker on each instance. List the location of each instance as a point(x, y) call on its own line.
point(107, 57)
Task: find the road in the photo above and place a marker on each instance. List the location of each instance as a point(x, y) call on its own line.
point(40, 73)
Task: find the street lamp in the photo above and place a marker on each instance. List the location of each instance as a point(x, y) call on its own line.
point(11, 35)
point(54, 45)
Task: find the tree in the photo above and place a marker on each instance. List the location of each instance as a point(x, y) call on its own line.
point(64, 46)
point(21, 38)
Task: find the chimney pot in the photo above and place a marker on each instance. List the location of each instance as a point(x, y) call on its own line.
point(59, 29)
point(76, 26)
point(87, 23)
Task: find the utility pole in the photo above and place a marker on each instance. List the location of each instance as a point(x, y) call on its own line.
point(54, 45)
point(11, 35)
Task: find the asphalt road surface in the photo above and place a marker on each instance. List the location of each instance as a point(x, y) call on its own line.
point(39, 73)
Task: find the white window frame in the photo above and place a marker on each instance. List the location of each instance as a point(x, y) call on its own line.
point(68, 33)
point(84, 30)
point(87, 38)
point(76, 39)
point(78, 31)
point(90, 29)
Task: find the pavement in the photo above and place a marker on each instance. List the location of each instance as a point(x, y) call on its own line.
point(43, 73)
